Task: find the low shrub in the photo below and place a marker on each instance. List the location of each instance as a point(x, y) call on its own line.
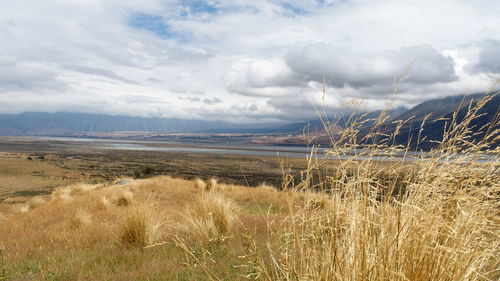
point(144, 171)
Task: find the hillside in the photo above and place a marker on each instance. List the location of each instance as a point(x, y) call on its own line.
point(172, 229)
point(440, 113)
point(437, 113)
point(437, 107)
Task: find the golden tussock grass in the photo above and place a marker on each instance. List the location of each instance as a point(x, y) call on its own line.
point(199, 184)
point(125, 198)
point(211, 184)
point(82, 187)
point(212, 217)
point(142, 226)
point(79, 218)
point(61, 193)
point(65, 192)
point(21, 208)
point(36, 201)
point(102, 202)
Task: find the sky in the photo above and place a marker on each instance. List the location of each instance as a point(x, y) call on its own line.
point(242, 61)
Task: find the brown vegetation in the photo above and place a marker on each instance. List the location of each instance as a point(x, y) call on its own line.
point(212, 217)
point(142, 227)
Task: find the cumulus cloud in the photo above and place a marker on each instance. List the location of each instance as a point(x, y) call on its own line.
point(264, 73)
point(343, 69)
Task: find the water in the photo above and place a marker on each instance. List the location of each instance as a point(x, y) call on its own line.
point(249, 149)
point(187, 147)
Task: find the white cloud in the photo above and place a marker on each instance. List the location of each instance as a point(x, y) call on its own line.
point(488, 59)
point(262, 59)
point(342, 68)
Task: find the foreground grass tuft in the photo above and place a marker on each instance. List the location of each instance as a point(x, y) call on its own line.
point(212, 217)
point(142, 227)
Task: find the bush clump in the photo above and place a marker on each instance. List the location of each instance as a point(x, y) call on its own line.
point(144, 171)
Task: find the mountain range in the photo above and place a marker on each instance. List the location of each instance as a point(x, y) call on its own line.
point(435, 112)
point(69, 124)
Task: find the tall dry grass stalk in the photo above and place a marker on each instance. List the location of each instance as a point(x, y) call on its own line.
point(428, 216)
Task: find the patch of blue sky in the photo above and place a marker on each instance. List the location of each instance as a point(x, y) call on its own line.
point(157, 25)
point(330, 2)
point(199, 7)
point(294, 10)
